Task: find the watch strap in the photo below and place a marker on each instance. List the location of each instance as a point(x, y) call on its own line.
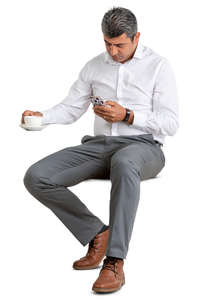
point(127, 115)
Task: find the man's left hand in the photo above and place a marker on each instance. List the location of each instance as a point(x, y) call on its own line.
point(114, 113)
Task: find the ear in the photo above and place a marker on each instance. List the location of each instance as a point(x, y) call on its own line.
point(137, 36)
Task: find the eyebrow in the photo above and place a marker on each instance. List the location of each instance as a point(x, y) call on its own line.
point(115, 44)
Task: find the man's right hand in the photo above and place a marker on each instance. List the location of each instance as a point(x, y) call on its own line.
point(30, 113)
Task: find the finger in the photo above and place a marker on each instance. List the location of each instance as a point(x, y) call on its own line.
point(99, 114)
point(112, 103)
point(106, 118)
point(101, 108)
point(26, 113)
point(103, 114)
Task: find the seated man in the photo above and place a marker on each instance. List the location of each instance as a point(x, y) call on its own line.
point(129, 131)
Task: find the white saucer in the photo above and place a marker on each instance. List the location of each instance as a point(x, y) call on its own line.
point(32, 128)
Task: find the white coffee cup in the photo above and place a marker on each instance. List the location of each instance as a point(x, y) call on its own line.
point(32, 121)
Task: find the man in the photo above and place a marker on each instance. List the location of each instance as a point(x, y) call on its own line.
point(141, 109)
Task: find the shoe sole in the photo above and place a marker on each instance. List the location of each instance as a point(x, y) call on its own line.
point(103, 290)
point(86, 268)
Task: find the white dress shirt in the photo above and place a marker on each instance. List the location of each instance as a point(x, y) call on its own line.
point(144, 84)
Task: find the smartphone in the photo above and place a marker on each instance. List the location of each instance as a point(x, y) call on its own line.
point(96, 100)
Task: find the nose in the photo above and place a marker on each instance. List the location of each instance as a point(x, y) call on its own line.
point(113, 50)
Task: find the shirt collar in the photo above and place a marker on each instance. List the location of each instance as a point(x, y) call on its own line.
point(138, 54)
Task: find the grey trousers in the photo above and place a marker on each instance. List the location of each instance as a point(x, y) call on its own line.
point(125, 160)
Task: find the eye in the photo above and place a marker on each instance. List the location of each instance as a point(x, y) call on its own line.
point(109, 45)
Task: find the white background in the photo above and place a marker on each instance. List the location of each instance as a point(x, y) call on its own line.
point(44, 44)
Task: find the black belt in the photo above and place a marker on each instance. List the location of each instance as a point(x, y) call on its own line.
point(158, 143)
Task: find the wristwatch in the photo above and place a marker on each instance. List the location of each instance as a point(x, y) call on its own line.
point(127, 115)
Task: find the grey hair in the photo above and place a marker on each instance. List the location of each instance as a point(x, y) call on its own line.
point(117, 21)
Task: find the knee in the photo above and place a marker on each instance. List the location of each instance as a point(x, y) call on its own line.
point(31, 177)
point(121, 166)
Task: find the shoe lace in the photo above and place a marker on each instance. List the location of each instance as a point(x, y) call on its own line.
point(109, 263)
point(92, 245)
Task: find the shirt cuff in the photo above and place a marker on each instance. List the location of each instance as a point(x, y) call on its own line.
point(45, 117)
point(139, 119)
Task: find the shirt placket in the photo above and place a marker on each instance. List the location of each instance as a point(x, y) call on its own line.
point(114, 127)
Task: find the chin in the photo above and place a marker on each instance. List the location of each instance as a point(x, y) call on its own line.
point(118, 59)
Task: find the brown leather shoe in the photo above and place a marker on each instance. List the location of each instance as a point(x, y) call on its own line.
point(95, 254)
point(111, 277)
